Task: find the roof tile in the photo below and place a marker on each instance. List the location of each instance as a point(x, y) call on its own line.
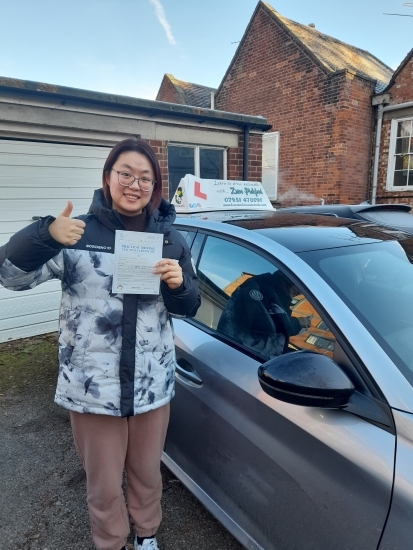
point(195, 95)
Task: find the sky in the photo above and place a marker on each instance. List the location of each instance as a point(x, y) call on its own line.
point(126, 46)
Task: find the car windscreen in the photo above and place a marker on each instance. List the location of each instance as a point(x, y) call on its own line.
point(376, 282)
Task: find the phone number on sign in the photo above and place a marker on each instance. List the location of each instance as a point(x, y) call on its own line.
point(237, 200)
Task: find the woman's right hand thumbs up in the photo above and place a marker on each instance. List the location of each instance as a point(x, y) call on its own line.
point(64, 229)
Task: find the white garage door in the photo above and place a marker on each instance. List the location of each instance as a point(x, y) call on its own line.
point(37, 179)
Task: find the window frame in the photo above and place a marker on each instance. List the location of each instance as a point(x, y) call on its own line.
point(391, 164)
point(197, 162)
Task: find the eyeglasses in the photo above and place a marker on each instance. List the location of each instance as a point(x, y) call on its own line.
point(126, 180)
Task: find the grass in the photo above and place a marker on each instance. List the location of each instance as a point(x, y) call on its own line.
point(28, 363)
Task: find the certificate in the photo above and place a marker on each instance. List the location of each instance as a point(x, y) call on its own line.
point(136, 254)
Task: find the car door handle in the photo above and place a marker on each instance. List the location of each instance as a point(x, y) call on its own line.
point(186, 370)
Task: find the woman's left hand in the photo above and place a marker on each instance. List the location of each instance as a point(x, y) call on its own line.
point(170, 271)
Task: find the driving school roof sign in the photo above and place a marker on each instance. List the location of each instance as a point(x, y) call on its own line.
point(199, 195)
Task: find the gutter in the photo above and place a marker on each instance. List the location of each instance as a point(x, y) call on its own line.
point(381, 110)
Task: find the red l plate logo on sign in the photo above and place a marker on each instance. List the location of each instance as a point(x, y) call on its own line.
point(197, 191)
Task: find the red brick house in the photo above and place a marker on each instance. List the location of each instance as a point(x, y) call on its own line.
point(173, 90)
point(392, 178)
point(316, 92)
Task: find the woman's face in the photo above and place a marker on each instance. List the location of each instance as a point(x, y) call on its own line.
point(129, 200)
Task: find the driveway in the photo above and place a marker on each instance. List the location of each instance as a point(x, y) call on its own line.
point(42, 485)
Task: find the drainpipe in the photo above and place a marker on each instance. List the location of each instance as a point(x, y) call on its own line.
point(381, 110)
point(377, 153)
point(246, 152)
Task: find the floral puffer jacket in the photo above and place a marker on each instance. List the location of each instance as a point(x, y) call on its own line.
point(116, 351)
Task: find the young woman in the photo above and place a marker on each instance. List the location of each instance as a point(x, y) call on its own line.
point(116, 351)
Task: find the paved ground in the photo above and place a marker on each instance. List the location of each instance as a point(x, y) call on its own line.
point(42, 485)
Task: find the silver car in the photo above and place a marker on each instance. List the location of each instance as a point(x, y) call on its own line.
point(293, 416)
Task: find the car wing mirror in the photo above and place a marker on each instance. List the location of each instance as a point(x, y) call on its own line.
point(306, 378)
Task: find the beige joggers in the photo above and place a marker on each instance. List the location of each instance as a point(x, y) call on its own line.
point(108, 445)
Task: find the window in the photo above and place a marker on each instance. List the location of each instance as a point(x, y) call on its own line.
point(270, 142)
point(248, 300)
point(400, 168)
point(189, 236)
point(205, 162)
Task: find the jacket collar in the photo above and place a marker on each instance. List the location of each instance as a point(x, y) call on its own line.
point(160, 220)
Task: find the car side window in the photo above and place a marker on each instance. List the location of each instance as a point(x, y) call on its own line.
point(189, 236)
point(250, 301)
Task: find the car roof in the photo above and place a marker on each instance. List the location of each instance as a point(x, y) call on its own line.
point(304, 232)
point(307, 232)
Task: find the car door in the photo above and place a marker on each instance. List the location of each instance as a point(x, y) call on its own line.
point(277, 475)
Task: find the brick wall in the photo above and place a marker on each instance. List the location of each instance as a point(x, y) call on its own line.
point(168, 93)
point(402, 89)
point(325, 121)
point(160, 149)
point(353, 123)
point(235, 159)
point(400, 92)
